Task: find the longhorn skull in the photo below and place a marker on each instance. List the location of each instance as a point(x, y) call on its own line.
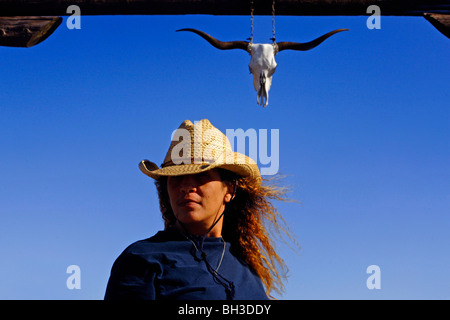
point(262, 63)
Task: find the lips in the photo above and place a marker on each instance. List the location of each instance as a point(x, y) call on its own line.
point(186, 202)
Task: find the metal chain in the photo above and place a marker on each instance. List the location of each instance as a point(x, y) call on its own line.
point(273, 21)
point(252, 9)
point(251, 25)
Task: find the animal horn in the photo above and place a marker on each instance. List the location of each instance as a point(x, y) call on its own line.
point(217, 43)
point(308, 45)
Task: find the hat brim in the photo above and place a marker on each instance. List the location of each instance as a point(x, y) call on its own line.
point(246, 169)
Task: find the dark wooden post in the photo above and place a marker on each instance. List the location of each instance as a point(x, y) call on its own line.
point(26, 31)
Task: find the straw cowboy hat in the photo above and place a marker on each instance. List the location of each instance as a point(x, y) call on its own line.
point(197, 148)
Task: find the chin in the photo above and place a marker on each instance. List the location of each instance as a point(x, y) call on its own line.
point(189, 216)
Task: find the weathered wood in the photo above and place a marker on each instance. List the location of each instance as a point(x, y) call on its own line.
point(221, 7)
point(440, 22)
point(26, 31)
point(29, 29)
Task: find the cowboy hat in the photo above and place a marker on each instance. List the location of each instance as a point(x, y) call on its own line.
point(197, 148)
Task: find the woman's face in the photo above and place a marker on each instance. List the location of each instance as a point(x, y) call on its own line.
point(197, 200)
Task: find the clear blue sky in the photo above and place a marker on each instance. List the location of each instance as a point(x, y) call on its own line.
point(364, 122)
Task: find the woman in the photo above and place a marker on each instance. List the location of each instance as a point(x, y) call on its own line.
point(215, 245)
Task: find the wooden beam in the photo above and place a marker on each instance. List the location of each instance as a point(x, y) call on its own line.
point(221, 7)
point(440, 22)
point(29, 24)
point(26, 31)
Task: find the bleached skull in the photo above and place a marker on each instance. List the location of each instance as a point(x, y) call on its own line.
point(262, 63)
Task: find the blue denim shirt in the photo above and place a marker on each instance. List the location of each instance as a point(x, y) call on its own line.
point(171, 266)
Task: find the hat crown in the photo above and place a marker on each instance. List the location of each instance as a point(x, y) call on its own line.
point(200, 147)
point(198, 143)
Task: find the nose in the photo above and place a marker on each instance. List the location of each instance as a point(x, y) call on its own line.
point(262, 78)
point(187, 189)
point(187, 185)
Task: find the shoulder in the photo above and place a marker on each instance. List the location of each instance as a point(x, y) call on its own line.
point(162, 241)
point(152, 254)
point(134, 271)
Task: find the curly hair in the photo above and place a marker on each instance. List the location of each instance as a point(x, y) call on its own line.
point(249, 220)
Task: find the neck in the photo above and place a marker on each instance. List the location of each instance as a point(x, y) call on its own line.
point(196, 230)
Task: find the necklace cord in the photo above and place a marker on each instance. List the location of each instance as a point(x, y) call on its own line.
point(218, 278)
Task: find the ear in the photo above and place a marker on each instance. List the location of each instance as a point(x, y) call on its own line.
point(231, 193)
point(227, 197)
